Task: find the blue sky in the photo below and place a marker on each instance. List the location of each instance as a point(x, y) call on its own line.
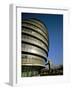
point(54, 23)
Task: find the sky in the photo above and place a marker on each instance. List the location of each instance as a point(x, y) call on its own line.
point(54, 23)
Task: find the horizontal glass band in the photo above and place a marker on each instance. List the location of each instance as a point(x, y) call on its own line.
point(33, 49)
point(36, 36)
point(36, 21)
point(27, 56)
point(35, 54)
point(33, 40)
point(35, 43)
point(32, 61)
point(34, 28)
point(36, 25)
point(34, 32)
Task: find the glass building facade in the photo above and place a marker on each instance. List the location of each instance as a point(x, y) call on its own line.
point(34, 47)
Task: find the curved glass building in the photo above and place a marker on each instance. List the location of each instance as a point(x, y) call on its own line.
point(34, 46)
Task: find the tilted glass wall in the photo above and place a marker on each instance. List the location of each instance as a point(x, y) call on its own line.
point(34, 47)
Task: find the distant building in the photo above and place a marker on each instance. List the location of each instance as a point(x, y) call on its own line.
point(51, 69)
